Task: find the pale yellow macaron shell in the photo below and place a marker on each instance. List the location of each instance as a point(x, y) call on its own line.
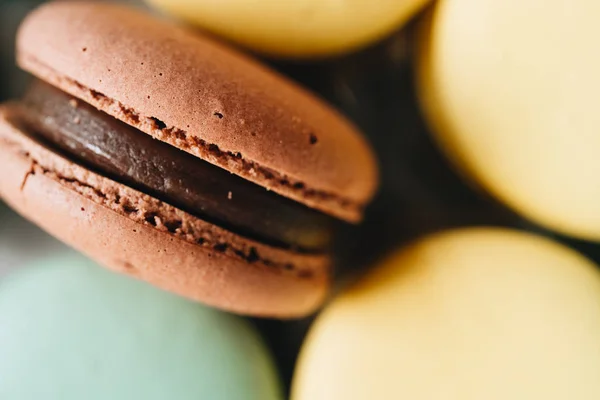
point(511, 89)
point(296, 28)
point(466, 315)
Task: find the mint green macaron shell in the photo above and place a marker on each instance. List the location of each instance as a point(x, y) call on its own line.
point(71, 330)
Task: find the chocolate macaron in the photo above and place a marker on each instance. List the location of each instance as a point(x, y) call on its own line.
point(175, 159)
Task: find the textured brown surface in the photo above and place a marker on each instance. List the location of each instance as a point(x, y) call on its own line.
point(135, 234)
point(202, 97)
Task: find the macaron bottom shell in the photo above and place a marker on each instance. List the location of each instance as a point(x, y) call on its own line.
point(466, 314)
point(71, 330)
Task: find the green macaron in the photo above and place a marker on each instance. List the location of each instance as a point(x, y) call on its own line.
point(70, 330)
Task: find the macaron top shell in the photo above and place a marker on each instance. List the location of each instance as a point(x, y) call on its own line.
point(204, 98)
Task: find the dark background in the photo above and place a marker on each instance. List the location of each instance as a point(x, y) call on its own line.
point(420, 193)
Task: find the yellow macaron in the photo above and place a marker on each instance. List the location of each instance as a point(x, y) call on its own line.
point(296, 29)
point(510, 89)
point(467, 314)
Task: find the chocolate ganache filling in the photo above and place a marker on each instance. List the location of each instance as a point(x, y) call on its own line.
point(118, 151)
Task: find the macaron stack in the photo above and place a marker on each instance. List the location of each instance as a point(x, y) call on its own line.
point(204, 194)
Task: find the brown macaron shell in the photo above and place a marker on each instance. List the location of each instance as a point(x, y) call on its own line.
point(204, 98)
point(140, 236)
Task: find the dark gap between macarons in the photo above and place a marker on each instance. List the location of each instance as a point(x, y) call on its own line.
point(118, 151)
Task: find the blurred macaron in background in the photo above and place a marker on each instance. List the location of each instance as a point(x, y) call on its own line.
point(301, 29)
point(481, 313)
point(71, 330)
point(511, 101)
